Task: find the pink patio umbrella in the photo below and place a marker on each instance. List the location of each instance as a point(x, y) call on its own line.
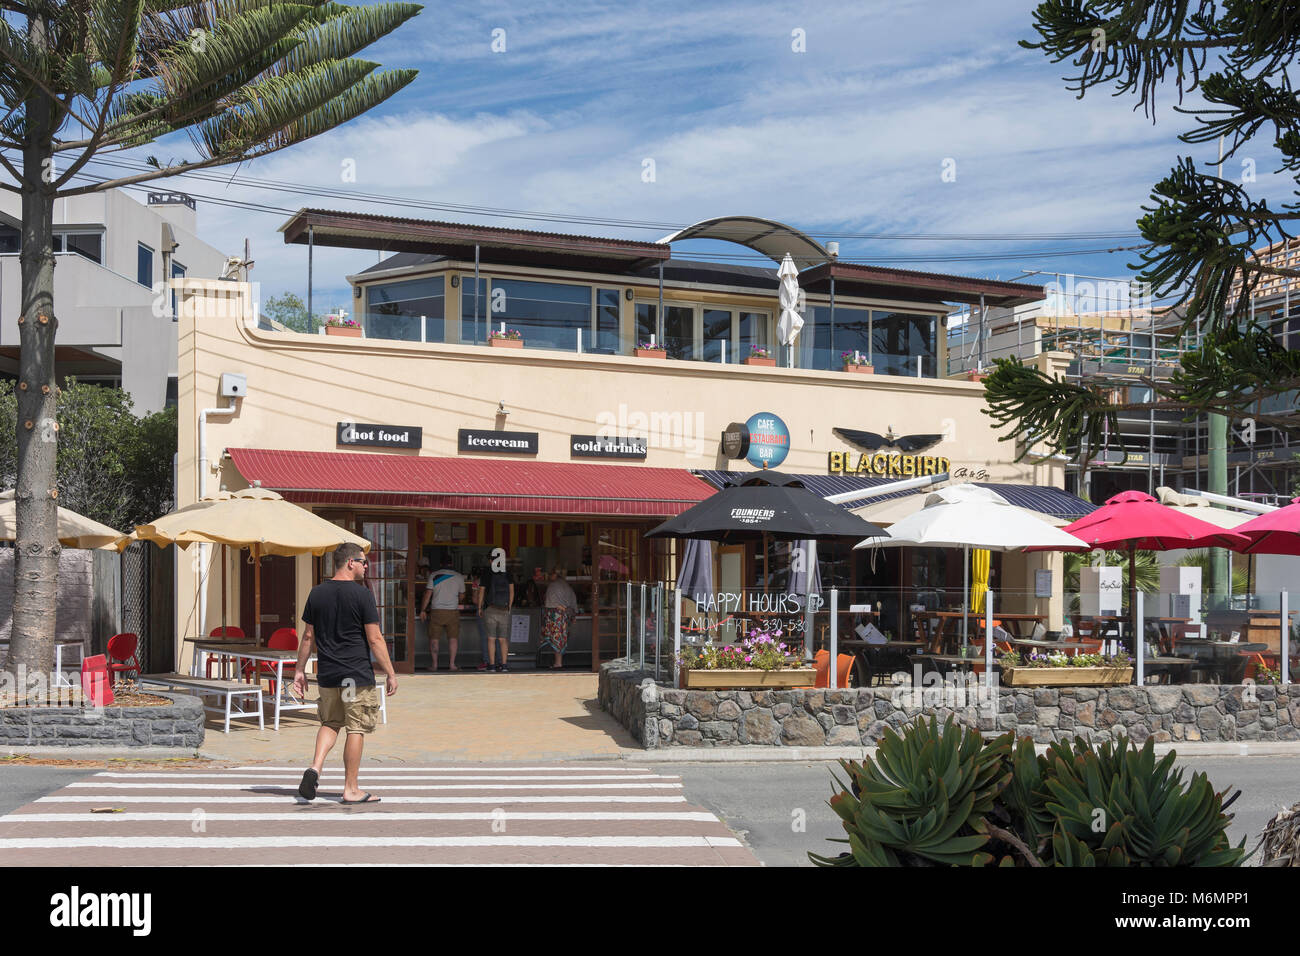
point(1275, 532)
point(1133, 521)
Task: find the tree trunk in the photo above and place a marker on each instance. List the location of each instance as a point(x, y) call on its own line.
point(36, 555)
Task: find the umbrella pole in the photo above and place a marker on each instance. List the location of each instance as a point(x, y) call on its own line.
point(225, 559)
point(1132, 596)
point(257, 596)
point(965, 593)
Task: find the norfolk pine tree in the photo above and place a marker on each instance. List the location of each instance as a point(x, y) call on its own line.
point(243, 78)
point(1200, 229)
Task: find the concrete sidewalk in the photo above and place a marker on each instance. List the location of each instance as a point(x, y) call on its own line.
point(468, 716)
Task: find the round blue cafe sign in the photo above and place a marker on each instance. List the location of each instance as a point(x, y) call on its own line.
point(769, 440)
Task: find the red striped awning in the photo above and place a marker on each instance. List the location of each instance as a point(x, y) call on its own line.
point(471, 484)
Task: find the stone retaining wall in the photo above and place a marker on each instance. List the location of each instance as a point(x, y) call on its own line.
point(661, 716)
point(179, 724)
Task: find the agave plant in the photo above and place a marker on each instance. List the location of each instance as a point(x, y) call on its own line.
point(918, 803)
point(947, 797)
point(239, 78)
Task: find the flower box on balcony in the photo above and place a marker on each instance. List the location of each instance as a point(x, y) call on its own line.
point(350, 331)
point(500, 342)
point(651, 353)
point(973, 376)
point(860, 369)
point(754, 360)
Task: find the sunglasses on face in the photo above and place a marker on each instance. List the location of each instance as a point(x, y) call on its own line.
point(361, 561)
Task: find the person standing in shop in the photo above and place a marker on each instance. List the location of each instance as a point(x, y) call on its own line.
point(561, 609)
point(474, 584)
point(498, 594)
point(442, 610)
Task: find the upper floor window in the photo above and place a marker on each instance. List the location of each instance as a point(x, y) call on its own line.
point(144, 265)
point(178, 272)
point(11, 240)
point(412, 310)
point(703, 332)
point(896, 343)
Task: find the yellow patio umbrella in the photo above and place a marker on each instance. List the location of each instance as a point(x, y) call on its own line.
point(256, 519)
point(979, 562)
point(74, 530)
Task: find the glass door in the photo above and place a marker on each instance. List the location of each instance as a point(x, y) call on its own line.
point(390, 578)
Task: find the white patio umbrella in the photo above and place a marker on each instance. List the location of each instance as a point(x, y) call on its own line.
point(791, 322)
point(74, 530)
point(967, 516)
point(894, 510)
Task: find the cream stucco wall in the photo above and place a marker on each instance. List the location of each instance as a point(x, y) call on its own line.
point(300, 386)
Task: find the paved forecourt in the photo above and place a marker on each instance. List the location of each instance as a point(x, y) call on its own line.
point(546, 814)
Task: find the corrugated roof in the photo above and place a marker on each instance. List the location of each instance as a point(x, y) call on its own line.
point(470, 484)
point(1048, 501)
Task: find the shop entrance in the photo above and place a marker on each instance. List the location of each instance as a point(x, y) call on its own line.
point(279, 594)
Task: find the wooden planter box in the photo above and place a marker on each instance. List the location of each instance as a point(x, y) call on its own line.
point(975, 376)
point(754, 360)
point(343, 330)
point(499, 343)
point(727, 680)
point(1066, 676)
point(860, 369)
point(651, 353)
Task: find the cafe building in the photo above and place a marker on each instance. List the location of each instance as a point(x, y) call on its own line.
point(547, 398)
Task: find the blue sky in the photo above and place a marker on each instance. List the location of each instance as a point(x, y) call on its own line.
point(850, 136)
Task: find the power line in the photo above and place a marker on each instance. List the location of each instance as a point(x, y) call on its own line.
point(574, 219)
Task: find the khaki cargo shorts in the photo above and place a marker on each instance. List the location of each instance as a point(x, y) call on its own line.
point(354, 709)
point(448, 621)
point(497, 620)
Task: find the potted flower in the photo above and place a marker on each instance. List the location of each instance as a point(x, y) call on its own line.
point(760, 660)
point(506, 339)
point(760, 355)
point(975, 375)
point(650, 350)
point(339, 325)
point(1060, 670)
point(853, 362)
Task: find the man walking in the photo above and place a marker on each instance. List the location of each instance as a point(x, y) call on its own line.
point(342, 625)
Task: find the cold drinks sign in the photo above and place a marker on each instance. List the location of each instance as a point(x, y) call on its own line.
point(762, 440)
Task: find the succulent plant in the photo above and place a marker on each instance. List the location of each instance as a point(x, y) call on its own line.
point(944, 796)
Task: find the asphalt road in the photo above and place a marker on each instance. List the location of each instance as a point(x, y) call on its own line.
point(780, 809)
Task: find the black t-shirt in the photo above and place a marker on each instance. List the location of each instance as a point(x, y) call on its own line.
point(338, 612)
point(498, 589)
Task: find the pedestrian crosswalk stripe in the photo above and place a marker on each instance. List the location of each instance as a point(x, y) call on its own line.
point(255, 786)
point(278, 799)
point(468, 768)
point(299, 817)
point(328, 775)
point(339, 841)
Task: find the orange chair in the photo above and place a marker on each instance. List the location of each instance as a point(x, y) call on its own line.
point(281, 639)
point(122, 657)
point(844, 664)
point(229, 633)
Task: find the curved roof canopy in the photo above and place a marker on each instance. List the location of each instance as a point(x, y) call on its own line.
point(773, 239)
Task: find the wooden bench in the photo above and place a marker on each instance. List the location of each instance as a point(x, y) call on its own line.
point(212, 687)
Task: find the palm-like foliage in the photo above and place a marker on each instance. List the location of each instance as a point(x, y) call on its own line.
point(1201, 227)
point(243, 78)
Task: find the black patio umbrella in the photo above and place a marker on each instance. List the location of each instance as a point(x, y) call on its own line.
point(766, 503)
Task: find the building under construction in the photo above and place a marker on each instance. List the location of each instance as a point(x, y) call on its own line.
point(1120, 343)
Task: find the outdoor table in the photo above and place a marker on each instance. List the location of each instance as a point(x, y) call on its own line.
point(952, 659)
point(208, 645)
point(1168, 665)
point(1013, 622)
point(1221, 653)
point(874, 656)
point(284, 699)
point(1165, 626)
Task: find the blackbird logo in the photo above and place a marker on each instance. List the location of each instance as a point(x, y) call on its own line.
point(872, 441)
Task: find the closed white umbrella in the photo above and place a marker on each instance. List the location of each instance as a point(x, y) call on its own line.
point(967, 516)
point(791, 322)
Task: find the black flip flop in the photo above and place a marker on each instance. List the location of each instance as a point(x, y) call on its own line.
point(307, 789)
point(368, 798)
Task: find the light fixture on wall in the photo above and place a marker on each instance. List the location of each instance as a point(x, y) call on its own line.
point(356, 292)
point(455, 281)
point(502, 411)
point(628, 294)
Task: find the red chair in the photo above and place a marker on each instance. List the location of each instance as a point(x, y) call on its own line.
point(844, 664)
point(229, 633)
point(282, 639)
point(122, 657)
